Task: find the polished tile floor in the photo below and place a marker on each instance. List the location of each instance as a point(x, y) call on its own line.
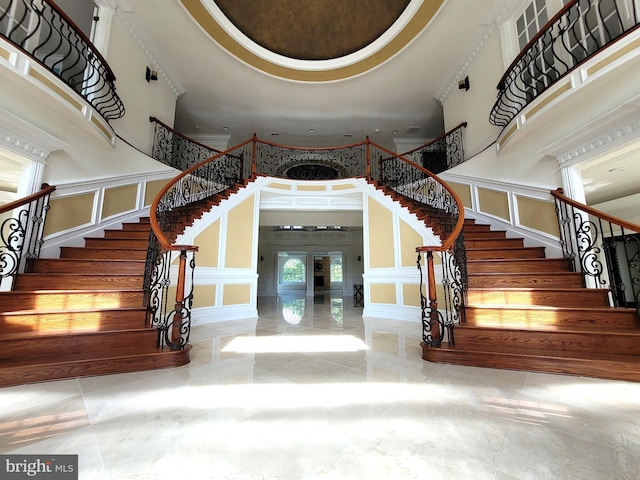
point(310, 391)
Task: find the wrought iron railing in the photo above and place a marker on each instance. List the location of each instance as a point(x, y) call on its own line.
point(21, 233)
point(191, 192)
point(445, 213)
point(43, 31)
point(605, 249)
point(580, 30)
point(441, 154)
point(174, 208)
point(177, 150)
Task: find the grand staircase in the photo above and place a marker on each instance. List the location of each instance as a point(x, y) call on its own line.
point(528, 312)
point(82, 314)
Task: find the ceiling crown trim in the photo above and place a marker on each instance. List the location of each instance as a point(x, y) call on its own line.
point(213, 22)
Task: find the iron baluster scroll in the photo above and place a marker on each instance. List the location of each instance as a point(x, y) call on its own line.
point(440, 154)
point(579, 31)
point(300, 163)
point(175, 149)
point(605, 249)
point(441, 209)
point(21, 234)
point(42, 30)
point(175, 207)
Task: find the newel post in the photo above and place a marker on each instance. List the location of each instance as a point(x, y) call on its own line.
point(433, 302)
point(254, 155)
point(367, 145)
point(176, 328)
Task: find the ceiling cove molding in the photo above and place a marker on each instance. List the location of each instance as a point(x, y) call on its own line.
point(619, 127)
point(471, 54)
point(121, 15)
point(26, 139)
point(409, 25)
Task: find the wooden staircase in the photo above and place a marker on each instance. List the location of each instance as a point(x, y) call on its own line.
point(82, 314)
point(528, 312)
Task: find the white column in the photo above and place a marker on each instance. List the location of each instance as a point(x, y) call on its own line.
point(572, 183)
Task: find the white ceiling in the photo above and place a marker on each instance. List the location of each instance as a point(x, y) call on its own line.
point(221, 91)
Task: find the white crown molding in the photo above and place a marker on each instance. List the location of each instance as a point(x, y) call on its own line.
point(472, 53)
point(617, 128)
point(121, 14)
point(26, 139)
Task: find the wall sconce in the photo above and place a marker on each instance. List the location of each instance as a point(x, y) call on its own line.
point(151, 75)
point(359, 258)
point(464, 84)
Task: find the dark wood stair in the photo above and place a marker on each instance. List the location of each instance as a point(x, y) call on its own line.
point(528, 312)
point(82, 314)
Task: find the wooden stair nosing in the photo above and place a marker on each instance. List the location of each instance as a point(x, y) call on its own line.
point(39, 370)
point(505, 296)
point(586, 317)
point(608, 367)
point(576, 340)
point(17, 345)
point(77, 265)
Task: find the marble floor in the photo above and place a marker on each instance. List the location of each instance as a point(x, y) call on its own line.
point(311, 391)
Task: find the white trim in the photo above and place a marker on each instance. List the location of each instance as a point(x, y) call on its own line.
point(26, 139)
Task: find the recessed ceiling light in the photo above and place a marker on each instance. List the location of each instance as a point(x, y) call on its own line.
point(395, 132)
point(311, 130)
point(197, 127)
point(377, 130)
point(348, 135)
point(225, 128)
point(275, 134)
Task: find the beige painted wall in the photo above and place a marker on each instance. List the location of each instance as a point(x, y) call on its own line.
point(209, 246)
point(69, 212)
point(239, 241)
point(119, 199)
point(409, 240)
point(151, 189)
point(381, 241)
point(411, 294)
point(464, 192)
point(204, 296)
point(236, 294)
point(494, 203)
point(538, 215)
point(383, 293)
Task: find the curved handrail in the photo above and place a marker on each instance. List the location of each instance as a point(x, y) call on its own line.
point(559, 194)
point(555, 51)
point(21, 233)
point(21, 202)
point(51, 38)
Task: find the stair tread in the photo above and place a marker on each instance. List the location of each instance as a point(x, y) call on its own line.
point(140, 351)
point(44, 311)
point(633, 332)
point(58, 334)
point(548, 307)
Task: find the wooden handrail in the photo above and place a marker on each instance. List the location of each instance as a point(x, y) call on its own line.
point(435, 140)
point(46, 190)
point(559, 194)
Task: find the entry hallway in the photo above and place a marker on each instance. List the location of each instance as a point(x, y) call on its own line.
point(309, 391)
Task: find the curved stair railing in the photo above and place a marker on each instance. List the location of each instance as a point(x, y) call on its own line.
point(577, 32)
point(175, 207)
point(21, 233)
point(44, 32)
point(443, 210)
point(605, 249)
point(440, 154)
point(198, 188)
point(177, 150)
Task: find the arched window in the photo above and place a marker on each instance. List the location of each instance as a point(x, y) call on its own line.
point(293, 271)
point(336, 270)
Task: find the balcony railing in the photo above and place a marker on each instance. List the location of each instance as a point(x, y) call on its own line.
point(440, 154)
point(579, 31)
point(605, 249)
point(175, 149)
point(44, 32)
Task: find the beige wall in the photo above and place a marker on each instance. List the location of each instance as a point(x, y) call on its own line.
point(538, 215)
point(383, 293)
point(494, 203)
point(381, 241)
point(236, 294)
point(119, 199)
point(239, 240)
point(409, 240)
point(69, 212)
point(209, 246)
